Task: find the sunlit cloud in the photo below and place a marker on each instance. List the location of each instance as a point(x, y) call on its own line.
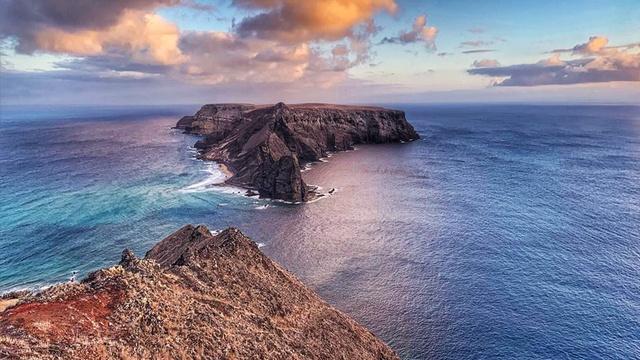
point(298, 21)
point(26, 20)
point(144, 38)
point(591, 62)
point(280, 41)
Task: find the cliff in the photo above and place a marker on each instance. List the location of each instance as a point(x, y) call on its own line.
point(194, 295)
point(265, 146)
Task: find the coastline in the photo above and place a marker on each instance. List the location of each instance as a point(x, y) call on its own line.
point(268, 146)
point(225, 170)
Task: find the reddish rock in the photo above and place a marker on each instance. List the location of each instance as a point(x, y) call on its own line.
point(194, 295)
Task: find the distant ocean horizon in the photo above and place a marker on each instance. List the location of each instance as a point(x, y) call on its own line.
point(506, 231)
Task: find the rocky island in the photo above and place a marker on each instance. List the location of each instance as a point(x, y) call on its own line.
point(265, 146)
point(194, 295)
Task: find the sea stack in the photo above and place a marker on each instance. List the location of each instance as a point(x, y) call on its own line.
point(265, 146)
point(194, 295)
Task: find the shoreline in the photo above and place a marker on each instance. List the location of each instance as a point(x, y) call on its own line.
point(225, 170)
point(269, 146)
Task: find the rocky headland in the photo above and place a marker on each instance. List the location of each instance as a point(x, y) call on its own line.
point(193, 295)
point(265, 146)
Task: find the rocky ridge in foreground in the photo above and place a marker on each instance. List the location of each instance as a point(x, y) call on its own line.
point(265, 146)
point(194, 295)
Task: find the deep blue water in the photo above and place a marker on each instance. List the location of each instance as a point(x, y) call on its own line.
point(506, 232)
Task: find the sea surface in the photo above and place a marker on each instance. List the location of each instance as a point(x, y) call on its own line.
point(506, 232)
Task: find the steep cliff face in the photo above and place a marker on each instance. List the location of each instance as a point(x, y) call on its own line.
point(194, 295)
point(215, 120)
point(264, 146)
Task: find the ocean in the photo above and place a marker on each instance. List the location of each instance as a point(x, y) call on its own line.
point(506, 231)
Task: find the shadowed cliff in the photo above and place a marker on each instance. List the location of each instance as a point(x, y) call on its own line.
point(264, 146)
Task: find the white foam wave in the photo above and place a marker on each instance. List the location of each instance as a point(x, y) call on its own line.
point(306, 167)
point(216, 177)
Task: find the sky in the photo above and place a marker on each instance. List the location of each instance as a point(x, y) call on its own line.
point(144, 52)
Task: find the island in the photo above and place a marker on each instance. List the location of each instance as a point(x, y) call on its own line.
point(264, 147)
point(194, 295)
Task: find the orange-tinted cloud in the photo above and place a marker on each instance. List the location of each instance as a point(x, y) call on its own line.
point(22, 19)
point(299, 21)
point(146, 38)
point(278, 44)
point(593, 46)
point(282, 41)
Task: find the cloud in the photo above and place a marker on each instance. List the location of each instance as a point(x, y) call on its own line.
point(593, 46)
point(295, 21)
point(478, 51)
point(420, 32)
point(141, 37)
point(25, 19)
point(485, 63)
point(196, 5)
point(475, 43)
point(106, 35)
point(88, 28)
point(292, 23)
point(279, 44)
point(595, 63)
point(219, 57)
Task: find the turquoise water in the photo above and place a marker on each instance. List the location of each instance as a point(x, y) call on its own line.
point(80, 185)
point(505, 232)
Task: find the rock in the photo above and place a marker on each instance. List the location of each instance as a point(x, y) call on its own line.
point(251, 193)
point(127, 258)
point(282, 179)
point(215, 120)
point(185, 122)
point(193, 295)
point(265, 146)
point(7, 303)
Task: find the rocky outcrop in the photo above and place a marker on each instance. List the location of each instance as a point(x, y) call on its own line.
point(194, 295)
point(265, 146)
point(215, 121)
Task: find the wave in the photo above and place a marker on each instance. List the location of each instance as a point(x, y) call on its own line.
point(192, 150)
point(306, 167)
point(216, 177)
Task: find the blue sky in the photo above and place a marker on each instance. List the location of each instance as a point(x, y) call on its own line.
point(175, 51)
